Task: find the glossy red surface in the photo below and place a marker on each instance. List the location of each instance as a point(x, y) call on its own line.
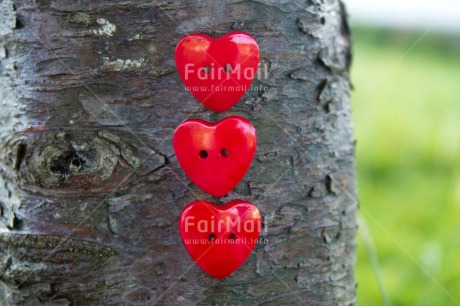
point(220, 238)
point(215, 156)
point(217, 71)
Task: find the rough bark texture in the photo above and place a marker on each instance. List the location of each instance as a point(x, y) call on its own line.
point(90, 189)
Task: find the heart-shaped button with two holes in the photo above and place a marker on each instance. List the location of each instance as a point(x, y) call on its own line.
point(220, 238)
point(215, 156)
point(217, 71)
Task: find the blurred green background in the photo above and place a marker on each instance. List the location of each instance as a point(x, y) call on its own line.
point(406, 109)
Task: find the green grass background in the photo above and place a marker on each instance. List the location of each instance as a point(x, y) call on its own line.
point(406, 112)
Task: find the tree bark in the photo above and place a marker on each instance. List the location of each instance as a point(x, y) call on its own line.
point(90, 189)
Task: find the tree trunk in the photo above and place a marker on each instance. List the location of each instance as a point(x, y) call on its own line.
point(90, 189)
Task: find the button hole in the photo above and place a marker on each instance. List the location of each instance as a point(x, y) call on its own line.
point(228, 68)
point(224, 153)
point(232, 236)
point(206, 69)
point(211, 237)
point(203, 154)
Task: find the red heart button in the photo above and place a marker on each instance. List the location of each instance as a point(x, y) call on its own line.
point(220, 238)
point(217, 71)
point(215, 156)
